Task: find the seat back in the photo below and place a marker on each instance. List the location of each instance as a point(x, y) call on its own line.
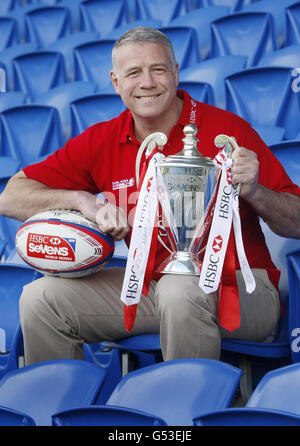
point(246, 34)
point(92, 62)
point(102, 16)
point(177, 390)
point(47, 24)
point(214, 71)
point(185, 44)
point(165, 11)
point(13, 278)
point(278, 389)
point(66, 44)
point(6, 6)
point(284, 57)
point(117, 32)
point(11, 99)
point(92, 109)
point(9, 32)
point(200, 20)
point(35, 73)
point(30, 132)
point(277, 11)
point(8, 167)
point(201, 91)
point(293, 266)
point(293, 24)
point(9, 417)
point(105, 416)
point(61, 97)
point(8, 55)
point(263, 96)
point(42, 389)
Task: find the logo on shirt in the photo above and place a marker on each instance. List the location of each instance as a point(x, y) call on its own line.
point(122, 184)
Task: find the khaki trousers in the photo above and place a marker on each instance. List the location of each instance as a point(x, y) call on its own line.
point(58, 315)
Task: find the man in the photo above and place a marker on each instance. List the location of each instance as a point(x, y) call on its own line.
point(57, 314)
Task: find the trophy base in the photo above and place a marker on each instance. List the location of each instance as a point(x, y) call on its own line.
point(181, 262)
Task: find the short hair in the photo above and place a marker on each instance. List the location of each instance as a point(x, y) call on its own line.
point(143, 34)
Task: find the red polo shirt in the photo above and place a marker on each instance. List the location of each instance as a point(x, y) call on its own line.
point(102, 159)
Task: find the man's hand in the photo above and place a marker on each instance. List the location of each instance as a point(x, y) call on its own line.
point(245, 171)
point(110, 218)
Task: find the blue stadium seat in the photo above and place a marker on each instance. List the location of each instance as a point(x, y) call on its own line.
point(92, 62)
point(92, 109)
point(61, 97)
point(270, 134)
point(274, 402)
point(65, 46)
point(277, 10)
point(18, 13)
point(288, 56)
point(7, 56)
point(165, 11)
point(102, 16)
point(293, 267)
point(185, 44)
point(12, 99)
point(13, 278)
point(6, 6)
point(2, 247)
point(173, 391)
point(201, 91)
point(73, 6)
point(30, 132)
point(214, 71)
point(35, 73)
point(117, 32)
point(248, 417)
point(48, 387)
point(3, 78)
point(8, 167)
point(9, 32)
point(105, 416)
point(8, 229)
point(246, 34)
point(47, 24)
point(9, 417)
point(200, 20)
point(293, 24)
point(233, 5)
point(263, 96)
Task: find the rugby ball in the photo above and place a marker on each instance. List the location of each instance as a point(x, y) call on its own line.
point(63, 243)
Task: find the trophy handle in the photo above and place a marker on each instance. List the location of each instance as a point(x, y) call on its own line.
point(158, 139)
point(227, 142)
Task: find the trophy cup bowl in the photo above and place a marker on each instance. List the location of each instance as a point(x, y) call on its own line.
point(187, 181)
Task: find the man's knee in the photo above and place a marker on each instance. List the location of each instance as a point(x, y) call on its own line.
point(183, 293)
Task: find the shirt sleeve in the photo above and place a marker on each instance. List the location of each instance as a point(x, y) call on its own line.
point(67, 168)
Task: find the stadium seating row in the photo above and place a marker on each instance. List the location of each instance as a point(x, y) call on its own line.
point(199, 392)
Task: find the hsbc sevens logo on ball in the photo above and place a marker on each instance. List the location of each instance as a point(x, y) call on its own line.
point(50, 247)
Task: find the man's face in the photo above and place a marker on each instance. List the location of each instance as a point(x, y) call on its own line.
point(145, 78)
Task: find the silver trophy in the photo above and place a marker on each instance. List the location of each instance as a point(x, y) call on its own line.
point(186, 186)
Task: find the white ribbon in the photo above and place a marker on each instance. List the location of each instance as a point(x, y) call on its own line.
point(226, 213)
point(141, 236)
